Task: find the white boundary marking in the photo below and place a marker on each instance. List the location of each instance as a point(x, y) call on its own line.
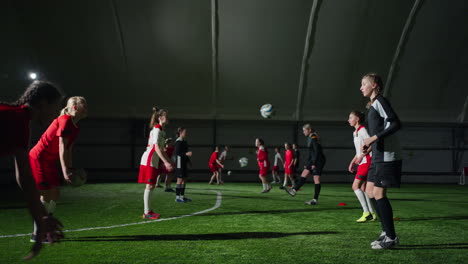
point(216, 206)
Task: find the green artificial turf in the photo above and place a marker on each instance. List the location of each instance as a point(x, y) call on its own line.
point(248, 227)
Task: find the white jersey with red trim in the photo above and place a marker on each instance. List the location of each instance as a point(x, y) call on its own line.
point(359, 137)
point(150, 157)
point(278, 158)
point(223, 156)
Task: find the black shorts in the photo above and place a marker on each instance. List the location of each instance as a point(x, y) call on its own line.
point(181, 173)
point(317, 170)
point(385, 174)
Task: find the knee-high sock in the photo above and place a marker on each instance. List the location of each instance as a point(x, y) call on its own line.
point(178, 190)
point(362, 200)
point(387, 217)
point(285, 181)
point(318, 187)
point(52, 206)
point(377, 210)
point(369, 204)
point(147, 200)
point(46, 206)
point(299, 184)
point(182, 190)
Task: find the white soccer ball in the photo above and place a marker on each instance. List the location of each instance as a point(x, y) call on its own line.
point(243, 161)
point(229, 173)
point(79, 177)
point(267, 110)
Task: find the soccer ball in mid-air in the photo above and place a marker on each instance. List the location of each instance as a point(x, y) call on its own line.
point(243, 162)
point(267, 110)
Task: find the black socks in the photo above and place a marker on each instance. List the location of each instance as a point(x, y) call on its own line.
point(385, 211)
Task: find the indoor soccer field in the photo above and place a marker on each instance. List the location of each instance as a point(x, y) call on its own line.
point(234, 223)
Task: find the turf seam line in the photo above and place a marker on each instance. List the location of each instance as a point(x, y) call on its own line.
point(216, 206)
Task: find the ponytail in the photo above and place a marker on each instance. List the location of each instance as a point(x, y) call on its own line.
point(179, 130)
point(71, 102)
point(377, 79)
point(157, 112)
point(360, 115)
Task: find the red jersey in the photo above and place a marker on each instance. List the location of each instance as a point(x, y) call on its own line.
point(289, 157)
point(213, 158)
point(14, 133)
point(169, 151)
point(262, 157)
point(48, 145)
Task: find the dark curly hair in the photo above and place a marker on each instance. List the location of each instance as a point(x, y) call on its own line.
point(36, 92)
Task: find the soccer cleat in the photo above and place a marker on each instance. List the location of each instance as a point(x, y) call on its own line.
point(379, 239)
point(290, 191)
point(33, 239)
point(364, 218)
point(281, 187)
point(169, 190)
point(159, 186)
point(386, 243)
point(312, 202)
point(150, 215)
point(273, 182)
point(187, 199)
point(374, 217)
point(180, 201)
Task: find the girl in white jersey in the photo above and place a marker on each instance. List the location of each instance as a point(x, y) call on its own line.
point(150, 166)
point(363, 161)
point(275, 171)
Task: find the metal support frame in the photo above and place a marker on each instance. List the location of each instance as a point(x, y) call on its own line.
point(403, 38)
point(214, 56)
point(305, 58)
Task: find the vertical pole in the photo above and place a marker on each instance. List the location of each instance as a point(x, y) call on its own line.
point(307, 50)
point(403, 38)
point(214, 56)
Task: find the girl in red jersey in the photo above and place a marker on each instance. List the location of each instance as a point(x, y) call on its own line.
point(263, 164)
point(288, 165)
point(150, 165)
point(39, 103)
point(363, 160)
point(214, 165)
point(56, 145)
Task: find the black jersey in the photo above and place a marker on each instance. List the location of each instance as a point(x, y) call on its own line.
point(384, 122)
point(316, 156)
point(297, 156)
point(181, 158)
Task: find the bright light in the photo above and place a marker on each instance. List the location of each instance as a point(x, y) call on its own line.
point(33, 75)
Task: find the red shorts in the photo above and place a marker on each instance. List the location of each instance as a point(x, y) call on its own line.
point(289, 171)
point(45, 173)
point(148, 174)
point(362, 171)
point(213, 167)
point(276, 168)
point(263, 172)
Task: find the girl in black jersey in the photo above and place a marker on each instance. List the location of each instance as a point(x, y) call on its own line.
point(182, 159)
point(385, 169)
point(314, 165)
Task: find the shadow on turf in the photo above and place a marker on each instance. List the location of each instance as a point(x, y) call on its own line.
point(223, 236)
point(454, 217)
point(433, 246)
point(280, 211)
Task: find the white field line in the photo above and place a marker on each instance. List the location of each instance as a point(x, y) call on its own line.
point(216, 206)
